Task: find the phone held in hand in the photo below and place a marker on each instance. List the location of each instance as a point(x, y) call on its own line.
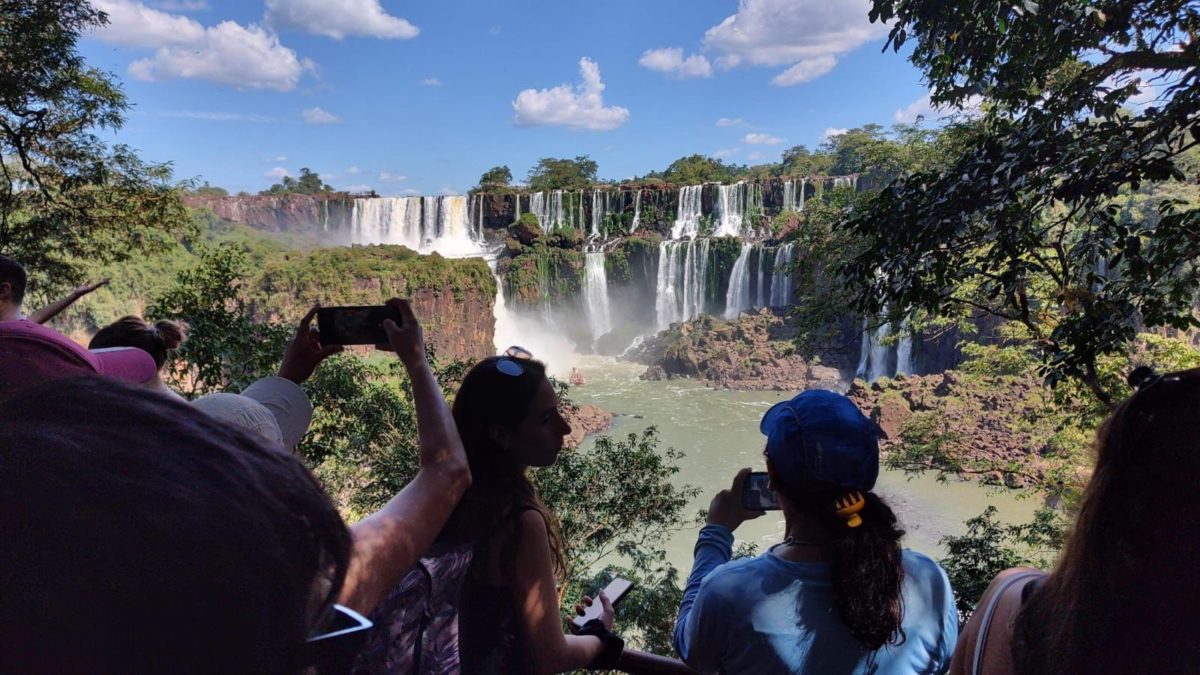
point(756, 496)
point(361, 325)
point(615, 590)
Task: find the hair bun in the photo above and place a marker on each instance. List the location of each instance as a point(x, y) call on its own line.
point(1142, 376)
point(170, 334)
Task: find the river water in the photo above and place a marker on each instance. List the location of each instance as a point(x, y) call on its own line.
point(718, 431)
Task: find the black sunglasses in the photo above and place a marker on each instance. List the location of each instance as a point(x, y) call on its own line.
point(333, 649)
point(510, 365)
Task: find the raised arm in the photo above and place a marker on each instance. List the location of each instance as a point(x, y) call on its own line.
point(53, 309)
point(390, 541)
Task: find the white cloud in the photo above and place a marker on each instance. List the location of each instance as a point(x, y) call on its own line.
point(319, 116)
point(386, 177)
point(756, 156)
point(495, 30)
point(734, 122)
point(431, 82)
point(830, 132)
point(132, 24)
point(278, 158)
point(447, 190)
point(182, 5)
point(277, 173)
point(807, 35)
point(246, 58)
point(725, 152)
point(578, 107)
point(670, 60)
point(353, 170)
point(410, 192)
point(358, 187)
point(212, 116)
point(809, 69)
point(761, 139)
point(338, 18)
point(923, 109)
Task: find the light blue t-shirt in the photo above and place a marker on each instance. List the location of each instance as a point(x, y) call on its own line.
point(770, 615)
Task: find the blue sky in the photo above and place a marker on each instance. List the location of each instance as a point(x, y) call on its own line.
point(421, 97)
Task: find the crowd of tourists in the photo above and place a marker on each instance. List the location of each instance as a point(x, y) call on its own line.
point(144, 533)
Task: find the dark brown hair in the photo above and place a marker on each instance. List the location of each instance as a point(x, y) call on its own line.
point(867, 566)
point(500, 487)
point(132, 331)
point(1123, 597)
point(141, 536)
point(13, 274)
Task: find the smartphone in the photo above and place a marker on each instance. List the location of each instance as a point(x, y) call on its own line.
point(615, 590)
point(355, 325)
point(756, 496)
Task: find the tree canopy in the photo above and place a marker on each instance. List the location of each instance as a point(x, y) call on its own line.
point(309, 183)
point(563, 174)
point(65, 196)
point(497, 176)
point(1083, 105)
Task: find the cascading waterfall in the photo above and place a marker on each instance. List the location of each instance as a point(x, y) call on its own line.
point(637, 211)
point(421, 223)
point(548, 207)
point(737, 298)
point(760, 297)
point(516, 206)
point(781, 277)
point(874, 360)
point(596, 295)
point(596, 213)
point(904, 351)
point(879, 353)
point(793, 195)
point(736, 205)
point(682, 281)
point(687, 217)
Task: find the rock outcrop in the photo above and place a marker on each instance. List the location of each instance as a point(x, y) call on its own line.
point(309, 214)
point(752, 352)
point(585, 420)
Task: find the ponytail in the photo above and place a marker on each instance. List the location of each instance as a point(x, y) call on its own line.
point(158, 340)
point(867, 566)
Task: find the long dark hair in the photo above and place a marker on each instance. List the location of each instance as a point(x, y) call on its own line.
point(142, 536)
point(500, 487)
point(1123, 595)
point(867, 567)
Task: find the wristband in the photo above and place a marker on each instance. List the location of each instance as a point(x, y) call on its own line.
point(613, 645)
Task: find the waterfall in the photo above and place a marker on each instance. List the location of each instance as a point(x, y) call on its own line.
point(421, 223)
point(879, 353)
point(904, 352)
point(761, 299)
point(637, 211)
point(738, 296)
point(517, 206)
point(682, 281)
point(864, 354)
point(687, 217)
point(596, 295)
point(548, 207)
point(781, 277)
point(729, 209)
point(595, 213)
point(793, 195)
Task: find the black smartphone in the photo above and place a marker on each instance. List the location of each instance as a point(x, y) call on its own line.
point(756, 496)
point(355, 325)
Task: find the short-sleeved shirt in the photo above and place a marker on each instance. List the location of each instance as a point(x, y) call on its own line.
point(771, 615)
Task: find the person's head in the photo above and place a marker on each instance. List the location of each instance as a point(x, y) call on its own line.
point(12, 288)
point(157, 340)
point(508, 417)
point(1122, 597)
point(823, 454)
point(31, 353)
point(141, 536)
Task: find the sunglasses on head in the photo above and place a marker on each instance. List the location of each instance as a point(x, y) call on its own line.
point(510, 363)
point(333, 648)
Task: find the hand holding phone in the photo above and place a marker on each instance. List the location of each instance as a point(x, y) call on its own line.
point(615, 591)
point(359, 325)
point(757, 495)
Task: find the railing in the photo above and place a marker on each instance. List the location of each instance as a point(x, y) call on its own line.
point(642, 663)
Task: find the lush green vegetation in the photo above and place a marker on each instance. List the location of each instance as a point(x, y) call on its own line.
point(497, 177)
point(562, 174)
point(309, 183)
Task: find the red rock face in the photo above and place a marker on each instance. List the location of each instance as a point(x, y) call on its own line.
point(293, 213)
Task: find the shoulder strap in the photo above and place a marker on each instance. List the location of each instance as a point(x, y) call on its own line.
point(986, 624)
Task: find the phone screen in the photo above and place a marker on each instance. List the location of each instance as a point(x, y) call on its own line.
point(756, 496)
point(354, 325)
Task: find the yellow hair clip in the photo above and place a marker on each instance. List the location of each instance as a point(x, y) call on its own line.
point(848, 506)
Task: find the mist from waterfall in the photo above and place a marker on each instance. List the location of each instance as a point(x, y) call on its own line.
point(595, 293)
point(687, 216)
point(737, 298)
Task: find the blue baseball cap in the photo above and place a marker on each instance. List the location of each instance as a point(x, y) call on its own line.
point(821, 436)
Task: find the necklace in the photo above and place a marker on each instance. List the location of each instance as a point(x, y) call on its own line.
point(792, 541)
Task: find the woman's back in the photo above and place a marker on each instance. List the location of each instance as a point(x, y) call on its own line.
point(771, 615)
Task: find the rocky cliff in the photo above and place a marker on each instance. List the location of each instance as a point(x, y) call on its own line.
point(309, 214)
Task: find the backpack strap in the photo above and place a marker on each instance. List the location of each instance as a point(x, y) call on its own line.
point(989, 610)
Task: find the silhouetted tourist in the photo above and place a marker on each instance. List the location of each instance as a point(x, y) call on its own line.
point(839, 595)
point(502, 545)
point(158, 340)
point(13, 282)
point(1123, 597)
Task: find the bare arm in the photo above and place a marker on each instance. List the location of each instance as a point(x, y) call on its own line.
point(389, 542)
point(997, 659)
point(536, 602)
point(53, 309)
